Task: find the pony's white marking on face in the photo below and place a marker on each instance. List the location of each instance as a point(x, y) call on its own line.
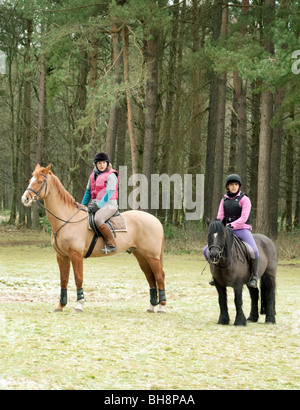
point(215, 234)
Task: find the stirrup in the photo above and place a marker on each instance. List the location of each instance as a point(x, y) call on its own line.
point(109, 249)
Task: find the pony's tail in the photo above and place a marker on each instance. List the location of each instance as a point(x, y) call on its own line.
point(267, 289)
point(263, 295)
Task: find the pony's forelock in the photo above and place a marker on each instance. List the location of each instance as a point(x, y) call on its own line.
point(216, 226)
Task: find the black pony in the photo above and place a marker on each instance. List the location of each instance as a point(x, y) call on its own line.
point(230, 266)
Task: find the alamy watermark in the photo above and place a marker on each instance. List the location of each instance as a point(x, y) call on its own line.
point(296, 64)
point(188, 192)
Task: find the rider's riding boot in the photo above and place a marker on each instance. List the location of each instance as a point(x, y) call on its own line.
point(109, 239)
point(254, 273)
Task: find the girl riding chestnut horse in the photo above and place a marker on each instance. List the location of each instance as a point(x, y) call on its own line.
point(102, 189)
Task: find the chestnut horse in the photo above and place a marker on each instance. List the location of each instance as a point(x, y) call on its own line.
point(71, 237)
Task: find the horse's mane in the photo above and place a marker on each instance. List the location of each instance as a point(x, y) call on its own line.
point(62, 192)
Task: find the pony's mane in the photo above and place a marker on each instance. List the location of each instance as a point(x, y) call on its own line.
point(64, 195)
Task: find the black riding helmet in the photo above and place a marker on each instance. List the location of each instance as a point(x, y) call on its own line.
point(101, 156)
point(233, 178)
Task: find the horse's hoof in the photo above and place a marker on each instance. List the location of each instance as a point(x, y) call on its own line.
point(161, 309)
point(249, 320)
point(58, 309)
point(150, 309)
point(79, 306)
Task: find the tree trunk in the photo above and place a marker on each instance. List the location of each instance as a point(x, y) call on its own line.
point(253, 169)
point(81, 139)
point(113, 122)
point(27, 118)
point(240, 87)
point(233, 135)
point(212, 126)
point(195, 147)
point(275, 165)
point(92, 85)
point(265, 138)
point(218, 186)
point(297, 203)
point(150, 107)
point(40, 132)
point(167, 134)
point(133, 148)
point(289, 178)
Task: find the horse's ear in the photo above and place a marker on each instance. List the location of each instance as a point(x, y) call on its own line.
point(47, 169)
point(224, 221)
point(208, 221)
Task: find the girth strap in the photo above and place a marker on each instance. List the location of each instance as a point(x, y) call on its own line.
point(92, 246)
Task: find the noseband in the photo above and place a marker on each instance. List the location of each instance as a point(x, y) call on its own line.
point(221, 250)
point(37, 193)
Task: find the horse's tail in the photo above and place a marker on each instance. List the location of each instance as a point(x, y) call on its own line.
point(162, 250)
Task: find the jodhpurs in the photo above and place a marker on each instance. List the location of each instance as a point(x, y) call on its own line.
point(104, 214)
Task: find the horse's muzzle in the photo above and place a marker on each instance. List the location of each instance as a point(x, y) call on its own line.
point(27, 199)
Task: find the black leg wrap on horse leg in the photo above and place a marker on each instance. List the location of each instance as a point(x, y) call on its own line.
point(63, 297)
point(153, 297)
point(162, 295)
point(80, 294)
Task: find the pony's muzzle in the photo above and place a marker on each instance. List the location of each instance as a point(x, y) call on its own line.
point(215, 257)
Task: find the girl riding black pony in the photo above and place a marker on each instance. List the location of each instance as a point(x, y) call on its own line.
point(235, 207)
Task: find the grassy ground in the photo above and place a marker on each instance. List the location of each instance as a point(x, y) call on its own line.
point(115, 344)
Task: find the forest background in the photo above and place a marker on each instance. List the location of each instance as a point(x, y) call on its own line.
point(164, 87)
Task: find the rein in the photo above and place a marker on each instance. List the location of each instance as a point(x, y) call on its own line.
point(80, 208)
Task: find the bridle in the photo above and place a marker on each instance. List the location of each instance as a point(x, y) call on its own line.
point(36, 197)
point(37, 193)
point(221, 253)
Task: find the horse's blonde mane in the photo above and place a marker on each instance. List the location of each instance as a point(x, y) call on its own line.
point(64, 195)
point(62, 192)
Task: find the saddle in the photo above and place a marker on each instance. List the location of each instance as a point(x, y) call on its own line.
point(242, 250)
point(116, 223)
